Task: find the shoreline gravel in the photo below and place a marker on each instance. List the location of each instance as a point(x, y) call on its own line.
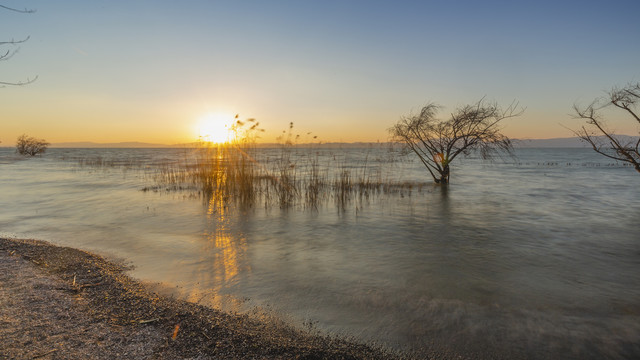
point(64, 303)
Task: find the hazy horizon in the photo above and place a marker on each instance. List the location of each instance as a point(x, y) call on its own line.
point(548, 142)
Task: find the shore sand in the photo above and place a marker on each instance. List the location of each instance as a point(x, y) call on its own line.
point(63, 303)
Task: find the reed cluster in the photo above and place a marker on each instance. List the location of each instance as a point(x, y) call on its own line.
point(290, 175)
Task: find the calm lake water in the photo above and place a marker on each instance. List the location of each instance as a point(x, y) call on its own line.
point(537, 257)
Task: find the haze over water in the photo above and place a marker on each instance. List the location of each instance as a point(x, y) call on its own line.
point(537, 257)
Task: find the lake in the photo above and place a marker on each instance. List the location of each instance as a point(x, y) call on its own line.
point(534, 257)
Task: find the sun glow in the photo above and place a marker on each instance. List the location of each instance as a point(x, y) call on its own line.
point(215, 127)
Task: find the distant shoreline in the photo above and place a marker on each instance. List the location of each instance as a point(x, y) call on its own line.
point(570, 142)
point(518, 143)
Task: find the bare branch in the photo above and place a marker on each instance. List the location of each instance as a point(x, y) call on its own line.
point(19, 83)
point(15, 42)
point(24, 11)
point(9, 54)
point(627, 99)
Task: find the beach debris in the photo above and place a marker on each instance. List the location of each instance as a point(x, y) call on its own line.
point(45, 354)
point(175, 332)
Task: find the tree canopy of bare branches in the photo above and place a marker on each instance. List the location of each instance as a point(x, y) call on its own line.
point(599, 137)
point(27, 145)
point(9, 48)
point(437, 143)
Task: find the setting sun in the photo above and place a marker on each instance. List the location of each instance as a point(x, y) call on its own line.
point(215, 128)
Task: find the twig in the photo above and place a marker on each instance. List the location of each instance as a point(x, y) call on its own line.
point(25, 11)
point(45, 354)
point(175, 332)
point(90, 285)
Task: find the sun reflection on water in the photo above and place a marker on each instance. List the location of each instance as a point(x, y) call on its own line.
point(224, 254)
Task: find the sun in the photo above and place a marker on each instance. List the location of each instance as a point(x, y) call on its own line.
point(215, 128)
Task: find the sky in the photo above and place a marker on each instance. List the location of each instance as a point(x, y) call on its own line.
point(345, 71)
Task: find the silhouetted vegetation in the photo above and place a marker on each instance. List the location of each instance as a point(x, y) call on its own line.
point(603, 140)
point(291, 175)
point(12, 48)
point(27, 145)
point(438, 142)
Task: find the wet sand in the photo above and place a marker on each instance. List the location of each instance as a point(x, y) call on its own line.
point(63, 303)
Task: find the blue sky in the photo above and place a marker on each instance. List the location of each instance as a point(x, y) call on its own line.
point(344, 70)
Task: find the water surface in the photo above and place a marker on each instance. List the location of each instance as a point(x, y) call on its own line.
point(537, 257)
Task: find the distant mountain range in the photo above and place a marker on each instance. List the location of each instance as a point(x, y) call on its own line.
point(572, 142)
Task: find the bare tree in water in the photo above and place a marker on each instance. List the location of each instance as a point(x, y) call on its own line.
point(603, 140)
point(27, 145)
point(437, 143)
point(8, 48)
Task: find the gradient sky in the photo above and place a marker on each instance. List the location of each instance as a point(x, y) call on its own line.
point(141, 70)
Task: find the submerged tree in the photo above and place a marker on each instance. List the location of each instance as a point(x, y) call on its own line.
point(599, 137)
point(27, 145)
point(438, 142)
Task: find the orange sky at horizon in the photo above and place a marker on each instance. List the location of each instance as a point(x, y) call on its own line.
point(172, 128)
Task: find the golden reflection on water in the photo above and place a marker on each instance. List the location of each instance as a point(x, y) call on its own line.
point(231, 249)
point(223, 259)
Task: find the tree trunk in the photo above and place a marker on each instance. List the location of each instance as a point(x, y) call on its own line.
point(444, 175)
